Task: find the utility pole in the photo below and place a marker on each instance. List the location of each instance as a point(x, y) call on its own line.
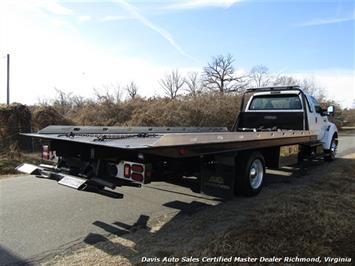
point(8, 79)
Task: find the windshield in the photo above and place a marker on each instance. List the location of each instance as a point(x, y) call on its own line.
point(276, 102)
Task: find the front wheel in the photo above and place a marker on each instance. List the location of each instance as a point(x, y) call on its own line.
point(250, 173)
point(331, 153)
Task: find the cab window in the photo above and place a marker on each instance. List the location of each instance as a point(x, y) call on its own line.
point(310, 106)
point(316, 104)
point(276, 102)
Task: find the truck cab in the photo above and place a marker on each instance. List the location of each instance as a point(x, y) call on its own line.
point(287, 108)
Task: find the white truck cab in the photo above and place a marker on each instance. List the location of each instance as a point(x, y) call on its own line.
point(288, 108)
point(318, 121)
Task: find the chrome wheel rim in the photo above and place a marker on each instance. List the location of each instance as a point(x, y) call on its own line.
point(334, 147)
point(256, 173)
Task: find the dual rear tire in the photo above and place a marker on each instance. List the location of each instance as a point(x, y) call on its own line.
point(250, 173)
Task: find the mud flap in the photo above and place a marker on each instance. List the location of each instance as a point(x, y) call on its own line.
point(218, 175)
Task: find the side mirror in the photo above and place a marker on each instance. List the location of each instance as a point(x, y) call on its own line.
point(330, 109)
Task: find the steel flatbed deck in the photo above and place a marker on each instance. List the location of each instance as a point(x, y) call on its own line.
point(169, 141)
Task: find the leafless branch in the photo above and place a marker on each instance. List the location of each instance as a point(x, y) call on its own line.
point(172, 83)
point(260, 76)
point(220, 75)
point(132, 89)
point(193, 83)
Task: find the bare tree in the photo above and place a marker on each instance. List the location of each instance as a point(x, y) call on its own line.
point(260, 76)
point(307, 84)
point(78, 101)
point(112, 93)
point(43, 101)
point(132, 89)
point(62, 102)
point(310, 86)
point(193, 83)
point(220, 75)
point(285, 81)
point(172, 83)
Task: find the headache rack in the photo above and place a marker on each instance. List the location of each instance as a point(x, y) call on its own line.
point(275, 88)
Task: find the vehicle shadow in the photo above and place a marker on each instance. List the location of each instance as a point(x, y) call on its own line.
point(189, 182)
point(8, 258)
point(289, 173)
point(105, 242)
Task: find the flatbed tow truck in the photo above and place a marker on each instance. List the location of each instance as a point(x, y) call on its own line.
point(270, 122)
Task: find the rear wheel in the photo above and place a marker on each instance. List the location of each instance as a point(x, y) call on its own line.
point(331, 153)
point(250, 173)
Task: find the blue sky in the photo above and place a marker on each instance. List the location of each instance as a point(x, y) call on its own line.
point(279, 34)
point(79, 45)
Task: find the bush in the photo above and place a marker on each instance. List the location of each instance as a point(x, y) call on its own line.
point(349, 117)
point(14, 119)
point(47, 115)
point(203, 111)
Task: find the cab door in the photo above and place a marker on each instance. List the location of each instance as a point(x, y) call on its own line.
point(316, 121)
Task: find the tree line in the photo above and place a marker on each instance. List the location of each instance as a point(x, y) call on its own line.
point(218, 76)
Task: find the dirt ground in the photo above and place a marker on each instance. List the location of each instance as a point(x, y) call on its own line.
point(310, 216)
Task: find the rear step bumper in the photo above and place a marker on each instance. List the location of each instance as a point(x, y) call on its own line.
point(50, 172)
point(79, 183)
point(73, 182)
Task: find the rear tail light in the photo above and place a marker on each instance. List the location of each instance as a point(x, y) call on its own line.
point(133, 171)
point(137, 177)
point(137, 168)
point(127, 171)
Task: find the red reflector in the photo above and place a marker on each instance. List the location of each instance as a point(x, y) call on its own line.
point(137, 168)
point(127, 171)
point(183, 151)
point(137, 177)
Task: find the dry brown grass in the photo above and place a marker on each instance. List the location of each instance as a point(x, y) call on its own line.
point(10, 160)
point(14, 118)
point(205, 110)
point(208, 109)
point(310, 216)
point(46, 115)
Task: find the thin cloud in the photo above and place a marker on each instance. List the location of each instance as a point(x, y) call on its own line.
point(64, 24)
point(83, 18)
point(52, 7)
point(115, 18)
point(194, 4)
point(162, 32)
point(319, 22)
